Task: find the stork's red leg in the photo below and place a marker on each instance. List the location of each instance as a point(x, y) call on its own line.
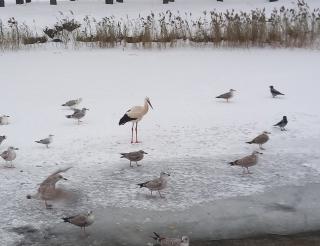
point(137, 132)
point(132, 133)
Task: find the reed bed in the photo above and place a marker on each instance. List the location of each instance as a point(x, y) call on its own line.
point(284, 27)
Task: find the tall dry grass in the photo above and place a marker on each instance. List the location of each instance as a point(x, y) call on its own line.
point(296, 27)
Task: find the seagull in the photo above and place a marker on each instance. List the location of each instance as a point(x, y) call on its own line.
point(227, 95)
point(183, 241)
point(156, 184)
point(4, 120)
point(282, 123)
point(81, 220)
point(134, 115)
point(9, 154)
point(261, 139)
point(134, 156)
point(274, 92)
point(47, 189)
point(46, 141)
point(2, 138)
point(72, 103)
point(78, 114)
point(247, 161)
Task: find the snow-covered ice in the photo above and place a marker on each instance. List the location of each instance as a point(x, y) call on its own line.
point(189, 133)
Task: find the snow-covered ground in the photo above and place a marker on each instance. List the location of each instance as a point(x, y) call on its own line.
point(189, 133)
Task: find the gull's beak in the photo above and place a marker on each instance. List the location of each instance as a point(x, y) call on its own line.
point(65, 179)
point(145, 152)
point(260, 153)
point(150, 104)
point(16, 148)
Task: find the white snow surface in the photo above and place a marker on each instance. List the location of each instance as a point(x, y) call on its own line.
point(189, 133)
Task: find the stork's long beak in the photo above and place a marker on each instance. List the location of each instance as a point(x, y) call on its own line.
point(150, 104)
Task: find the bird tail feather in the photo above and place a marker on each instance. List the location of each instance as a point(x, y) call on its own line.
point(142, 184)
point(157, 236)
point(66, 219)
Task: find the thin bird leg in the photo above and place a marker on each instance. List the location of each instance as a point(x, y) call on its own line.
point(151, 192)
point(47, 146)
point(132, 132)
point(137, 132)
point(260, 145)
point(243, 170)
point(160, 194)
point(48, 206)
point(138, 164)
point(130, 164)
point(248, 171)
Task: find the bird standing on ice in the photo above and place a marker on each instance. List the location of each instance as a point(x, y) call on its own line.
point(134, 156)
point(78, 114)
point(247, 161)
point(261, 139)
point(47, 190)
point(227, 95)
point(274, 92)
point(72, 103)
point(81, 220)
point(156, 184)
point(46, 141)
point(282, 123)
point(163, 241)
point(134, 115)
point(9, 154)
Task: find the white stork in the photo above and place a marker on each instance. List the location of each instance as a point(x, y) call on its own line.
point(134, 115)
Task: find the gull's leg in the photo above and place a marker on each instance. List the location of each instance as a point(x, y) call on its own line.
point(138, 164)
point(137, 132)
point(48, 206)
point(132, 132)
point(47, 146)
point(160, 194)
point(243, 170)
point(130, 164)
point(260, 145)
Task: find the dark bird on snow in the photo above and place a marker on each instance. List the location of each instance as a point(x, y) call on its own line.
point(282, 123)
point(274, 92)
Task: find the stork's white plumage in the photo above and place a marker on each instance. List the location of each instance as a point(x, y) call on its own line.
point(134, 115)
